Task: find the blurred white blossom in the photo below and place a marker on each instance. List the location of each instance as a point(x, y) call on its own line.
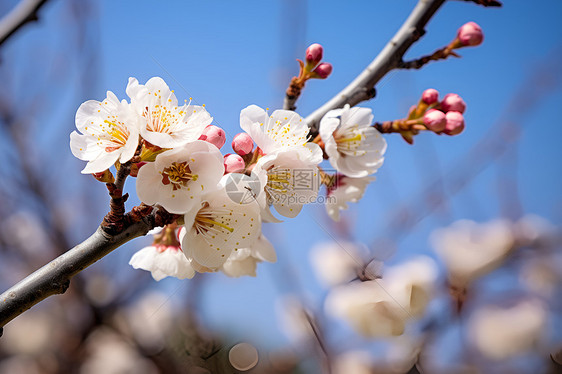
point(353, 362)
point(337, 262)
point(470, 249)
point(382, 307)
point(294, 319)
point(109, 353)
point(500, 332)
point(345, 190)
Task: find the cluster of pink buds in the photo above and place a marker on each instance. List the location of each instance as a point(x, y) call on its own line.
point(442, 117)
point(311, 68)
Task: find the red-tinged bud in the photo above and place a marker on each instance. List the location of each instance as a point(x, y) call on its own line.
point(470, 34)
point(104, 176)
point(322, 71)
point(435, 120)
point(430, 96)
point(453, 102)
point(314, 55)
point(233, 163)
point(214, 135)
point(242, 144)
point(135, 168)
point(455, 123)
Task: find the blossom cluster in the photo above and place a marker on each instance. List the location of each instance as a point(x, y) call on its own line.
point(386, 303)
point(174, 152)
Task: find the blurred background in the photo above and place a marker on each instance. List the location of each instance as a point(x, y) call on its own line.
point(228, 55)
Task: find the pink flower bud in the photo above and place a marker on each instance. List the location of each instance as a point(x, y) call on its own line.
point(453, 102)
point(314, 54)
point(430, 96)
point(455, 123)
point(242, 144)
point(214, 135)
point(233, 163)
point(470, 34)
point(323, 70)
point(435, 120)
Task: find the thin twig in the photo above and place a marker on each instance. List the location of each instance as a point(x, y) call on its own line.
point(292, 94)
point(24, 12)
point(440, 54)
point(319, 340)
point(363, 87)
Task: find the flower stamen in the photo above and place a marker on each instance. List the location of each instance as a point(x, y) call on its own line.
point(178, 174)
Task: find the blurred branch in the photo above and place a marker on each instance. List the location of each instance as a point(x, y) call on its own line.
point(363, 86)
point(24, 12)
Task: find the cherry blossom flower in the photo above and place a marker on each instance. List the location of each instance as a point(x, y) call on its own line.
point(336, 263)
point(382, 307)
point(471, 250)
point(345, 190)
point(289, 178)
point(218, 226)
point(500, 332)
point(244, 261)
point(179, 177)
point(164, 258)
point(164, 123)
point(281, 130)
point(355, 148)
point(163, 262)
point(109, 133)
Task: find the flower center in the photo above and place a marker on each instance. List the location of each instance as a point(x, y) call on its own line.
point(178, 174)
point(116, 135)
point(284, 134)
point(349, 141)
point(161, 119)
point(209, 222)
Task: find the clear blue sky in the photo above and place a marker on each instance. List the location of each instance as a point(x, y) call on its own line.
point(230, 54)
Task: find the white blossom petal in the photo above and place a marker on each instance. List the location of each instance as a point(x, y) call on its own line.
point(218, 227)
point(164, 123)
point(281, 130)
point(354, 147)
point(180, 177)
point(108, 132)
point(161, 264)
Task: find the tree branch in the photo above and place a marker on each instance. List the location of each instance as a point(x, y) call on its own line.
point(485, 2)
point(24, 12)
point(54, 278)
point(363, 87)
